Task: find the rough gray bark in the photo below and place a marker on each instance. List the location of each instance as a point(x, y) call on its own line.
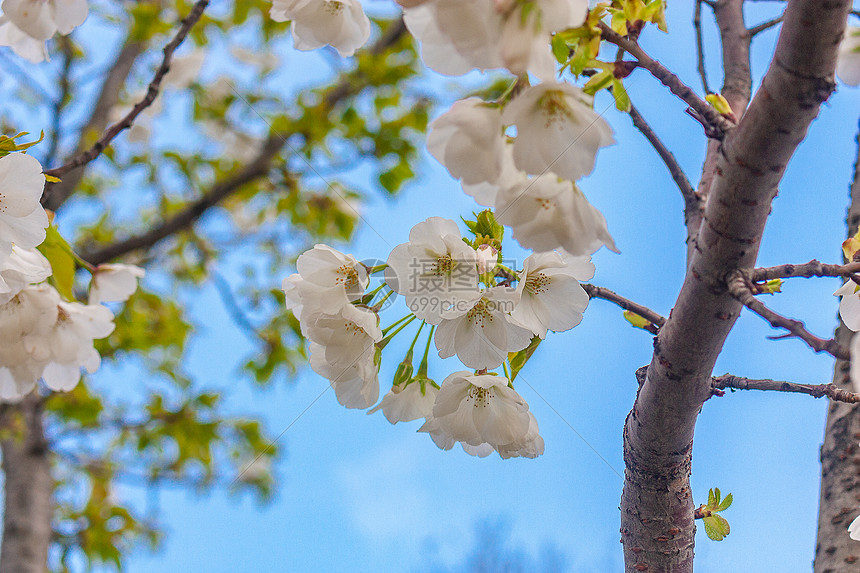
point(29, 490)
point(839, 501)
point(657, 525)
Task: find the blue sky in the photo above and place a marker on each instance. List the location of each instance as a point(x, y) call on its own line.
point(356, 494)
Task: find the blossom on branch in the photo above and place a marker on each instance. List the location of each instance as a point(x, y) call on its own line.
point(548, 213)
point(23, 267)
point(340, 24)
point(114, 282)
point(355, 383)
point(406, 403)
point(22, 218)
point(550, 295)
point(557, 130)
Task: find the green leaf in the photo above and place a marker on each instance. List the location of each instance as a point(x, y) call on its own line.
point(560, 49)
point(59, 254)
point(727, 502)
point(622, 100)
point(713, 497)
point(518, 359)
point(716, 527)
point(598, 82)
point(636, 320)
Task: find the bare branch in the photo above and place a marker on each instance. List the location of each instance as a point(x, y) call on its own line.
point(741, 288)
point(691, 200)
point(194, 210)
point(594, 291)
point(152, 92)
point(764, 26)
point(700, 46)
point(715, 123)
point(807, 270)
point(725, 381)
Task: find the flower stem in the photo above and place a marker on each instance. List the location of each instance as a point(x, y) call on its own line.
point(386, 329)
point(422, 368)
point(384, 342)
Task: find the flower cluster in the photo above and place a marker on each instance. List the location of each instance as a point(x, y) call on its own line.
point(42, 334)
point(26, 25)
point(477, 309)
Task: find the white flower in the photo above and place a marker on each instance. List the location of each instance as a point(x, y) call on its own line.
point(854, 529)
point(556, 130)
point(22, 44)
point(346, 335)
point(435, 271)
point(547, 213)
point(485, 193)
point(530, 446)
point(483, 336)
point(404, 404)
point(487, 258)
point(849, 306)
point(477, 409)
point(848, 62)
point(457, 35)
point(468, 141)
point(445, 442)
point(114, 282)
point(41, 19)
point(356, 384)
point(23, 267)
point(22, 218)
point(550, 295)
point(31, 312)
point(68, 346)
point(525, 45)
point(341, 24)
point(327, 281)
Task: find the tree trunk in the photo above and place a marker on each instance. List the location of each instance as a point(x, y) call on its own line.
point(657, 525)
point(29, 490)
point(840, 456)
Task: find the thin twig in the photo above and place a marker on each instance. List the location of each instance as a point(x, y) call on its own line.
point(715, 123)
point(594, 291)
point(151, 93)
point(764, 26)
point(741, 287)
point(813, 268)
point(700, 46)
point(678, 175)
point(720, 383)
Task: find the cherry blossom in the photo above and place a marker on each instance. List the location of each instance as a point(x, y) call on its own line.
point(486, 193)
point(548, 213)
point(557, 130)
point(22, 218)
point(468, 141)
point(849, 306)
point(114, 283)
point(445, 442)
point(478, 409)
point(435, 271)
point(341, 24)
point(41, 19)
point(23, 267)
point(406, 403)
point(854, 529)
point(848, 63)
point(550, 295)
point(22, 44)
point(530, 446)
point(356, 384)
point(457, 35)
point(327, 281)
point(347, 335)
point(483, 336)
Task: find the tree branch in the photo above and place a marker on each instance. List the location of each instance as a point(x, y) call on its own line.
point(693, 206)
point(807, 270)
point(657, 525)
point(29, 489)
point(594, 291)
point(741, 288)
point(716, 123)
point(764, 26)
point(261, 164)
point(114, 130)
point(725, 381)
point(700, 46)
